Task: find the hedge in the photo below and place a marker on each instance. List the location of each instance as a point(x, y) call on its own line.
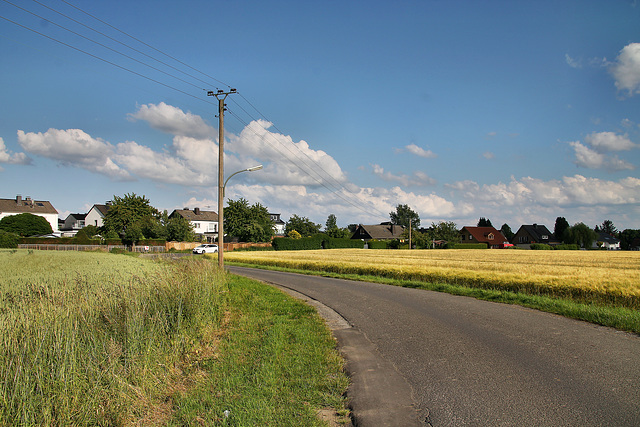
point(466, 246)
point(333, 243)
point(8, 240)
point(306, 243)
point(378, 244)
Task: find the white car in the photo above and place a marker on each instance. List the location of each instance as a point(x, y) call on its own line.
point(206, 249)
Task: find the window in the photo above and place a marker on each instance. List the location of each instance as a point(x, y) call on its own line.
point(490, 236)
point(470, 237)
point(462, 237)
point(545, 237)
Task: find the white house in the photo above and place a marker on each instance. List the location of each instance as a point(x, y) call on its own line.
point(72, 224)
point(41, 208)
point(606, 241)
point(204, 223)
point(278, 224)
point(96, 215)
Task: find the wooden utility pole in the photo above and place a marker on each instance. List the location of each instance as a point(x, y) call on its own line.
point(221, 95)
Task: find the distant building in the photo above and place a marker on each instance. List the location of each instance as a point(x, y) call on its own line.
point(534, 233)
point(41, 208)
point(383, 231)
point(96, 215)
point(606, 241)
point(278, 224)
point(494, 239)
point(205, 223)
point(72, 224)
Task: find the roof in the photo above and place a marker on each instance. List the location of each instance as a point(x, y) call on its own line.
point(538, 232)
point(77, 216)
point(608, 238)
point(483, 234)
point(101, 208)
point(196, 214)
point(378, 232)
point(18, 206)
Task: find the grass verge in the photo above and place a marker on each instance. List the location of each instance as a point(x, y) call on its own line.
point(109, 340)
point(621, 318)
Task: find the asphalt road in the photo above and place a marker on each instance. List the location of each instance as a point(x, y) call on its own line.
point(428, 358)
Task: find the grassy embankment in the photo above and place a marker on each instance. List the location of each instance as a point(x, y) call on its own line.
point(102, 339)
point(597, 286)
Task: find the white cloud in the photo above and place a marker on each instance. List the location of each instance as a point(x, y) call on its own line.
point(291, 163)
point(573, 63)
point(570, 191)
point(626, 69)
point(419, 178)
point(174, 121)
point(488, 155)
point(609, 141)
point(8, 157)
point(420, 152)
point(73, 147)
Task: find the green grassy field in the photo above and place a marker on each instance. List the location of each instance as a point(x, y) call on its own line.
point(112, 340)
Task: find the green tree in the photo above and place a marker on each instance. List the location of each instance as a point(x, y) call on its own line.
point(582, 235)
point(560, 228)
point(128, 210)
point(179, 229)
point(506, 231)
point(133, 234)
point(25, 225)
point(484, 222)
point(403, 215)
point(628, 237)
point(90, 230)
point(332, 230)
point(608, 227)
point(444, 230)
point(302, 225)
point(248, 223)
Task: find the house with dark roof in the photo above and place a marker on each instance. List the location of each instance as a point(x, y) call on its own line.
point(41, 208)
point(96, 215)
point(384, 231)
point(72, 224)
point(278, 224)
point(494, 239)
point(606, 241)
point(204, 223)
point(534, 233)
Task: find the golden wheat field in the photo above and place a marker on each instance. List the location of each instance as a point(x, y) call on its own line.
point(599, 276)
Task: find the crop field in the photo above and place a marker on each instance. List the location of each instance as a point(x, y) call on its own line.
point(603, 277)
point(99, 339)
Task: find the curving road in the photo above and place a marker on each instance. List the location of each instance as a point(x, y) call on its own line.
point(427, 358)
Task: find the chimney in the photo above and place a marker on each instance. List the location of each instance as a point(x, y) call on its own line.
point(535, 225)
point(196, 211)
point(19, 199)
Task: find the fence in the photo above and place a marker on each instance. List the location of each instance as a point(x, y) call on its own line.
point(107, 248)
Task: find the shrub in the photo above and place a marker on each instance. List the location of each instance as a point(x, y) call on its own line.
point(25, 224)
point(335, 243)
point(306, 243)
point(465, 246)
point(8, 240)
point(540, 247)
point(377, 244)
point(567, 247)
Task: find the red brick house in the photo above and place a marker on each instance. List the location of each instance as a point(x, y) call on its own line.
point(494, 239)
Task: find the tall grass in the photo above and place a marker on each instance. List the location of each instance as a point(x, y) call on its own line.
point(98, 339)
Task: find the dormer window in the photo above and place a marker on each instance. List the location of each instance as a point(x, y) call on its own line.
point(490, 236)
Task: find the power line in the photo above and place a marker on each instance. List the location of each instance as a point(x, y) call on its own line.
point(104, 60)
point(311, 169)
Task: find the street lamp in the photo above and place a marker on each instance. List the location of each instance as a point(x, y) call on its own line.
point(221, 215)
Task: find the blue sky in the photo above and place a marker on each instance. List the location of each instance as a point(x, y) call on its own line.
point(516, 111)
